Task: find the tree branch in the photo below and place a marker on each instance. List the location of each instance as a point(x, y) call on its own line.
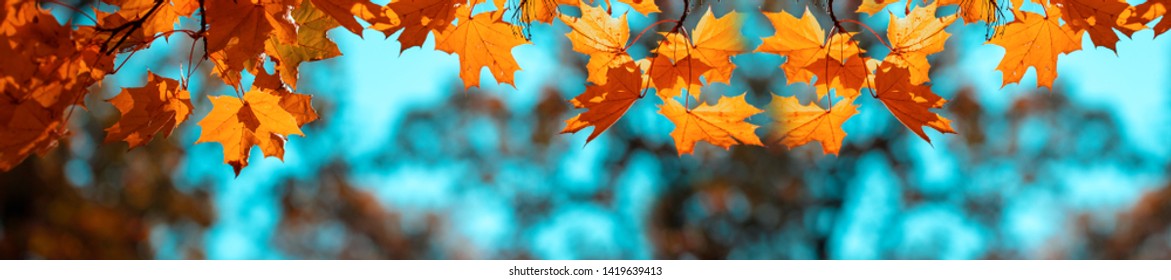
point(129, 27)
point(203, 27)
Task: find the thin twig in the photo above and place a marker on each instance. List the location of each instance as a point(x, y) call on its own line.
point(644, 30)
point(75, 10)
point(129, 27)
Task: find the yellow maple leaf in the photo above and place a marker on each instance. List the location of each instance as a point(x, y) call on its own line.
point(606, 103)
point(1036, 41)
point(483, 41)
point(258, 120)
point(721, 124)
point(915, 37)
point(600, 36)
point(797, 124)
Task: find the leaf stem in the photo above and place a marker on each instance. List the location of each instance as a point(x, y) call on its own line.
point(644, 30)
point(72, 8)
point(867, 27)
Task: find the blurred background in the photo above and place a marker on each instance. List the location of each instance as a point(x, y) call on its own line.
point(405, 164)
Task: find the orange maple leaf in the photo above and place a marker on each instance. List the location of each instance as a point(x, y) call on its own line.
point(344, 11)
point(670, 79)
point(915, 37)
point(483, 41)
point(973, 11)
point(799, 40)
point(1149, 11)
point(237, 33)
point(419, 18)
point(155, 17)
point(312, 44)
point(28, 128)
point(542, 10)
point(722, 125)
point(645, 7)
point(1036, 42)
point(600, 36)
point(713, 41)
point(909, 103)
point(606, 103)
point(299, 105)
point(797, 124)
point(1098, 17)
point(802, 42)
point(47, 67)
point(159, 106)
point(873, 6)
point(185, 7)
point(48, 62)
point(847, 79)
point(238, 125)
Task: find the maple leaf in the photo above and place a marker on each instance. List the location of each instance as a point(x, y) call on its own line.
point(973, 11)
point(799, 40)
point(873, 6)
point(915, 37)
point(483, 41)
point(713, 41)
point(910, 103)
point(847, 78)
point(645, 7)
point(276, 13)
point(722, 125)
point(344, 11)
point(675, 67)
point(49, 62)
point(185, 7)
point(1098, 17)
point(28, 128)
point(802, 42)
point(543, 10)
point(47, 67)
point(600, 36)
point(14, 13)
point(312, 44)
point(237, 32)
point(670, 79)
point(299, 105)
point(840, 66)
point(419, 18)
point(841, 46)
point(674, 46)
point(1148, 11)
point(1036, 42)
point(238, 125)
point(798, 124)
point(158, 106)
point(606, 103)
point(155, 16)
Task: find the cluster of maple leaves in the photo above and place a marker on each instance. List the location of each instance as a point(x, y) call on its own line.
point(49, 67)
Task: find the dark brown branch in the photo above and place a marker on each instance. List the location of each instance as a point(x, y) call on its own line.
point(203, 26)
point(834, 17)
point(682, 18)
point(129, 27)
